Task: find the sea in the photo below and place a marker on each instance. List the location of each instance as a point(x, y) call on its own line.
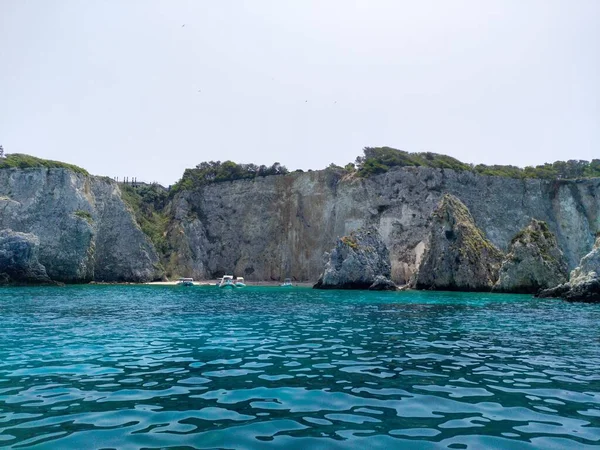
point(144, 367)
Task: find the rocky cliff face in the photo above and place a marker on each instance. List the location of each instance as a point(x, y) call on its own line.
point(358, 261)
point(85, 231)
point(584, 282)
point(278, 226)
point(533, 262)
point(19, 259)
point(459, 256)
point(274, 227)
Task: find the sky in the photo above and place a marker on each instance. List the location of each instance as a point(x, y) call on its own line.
point(147, 88)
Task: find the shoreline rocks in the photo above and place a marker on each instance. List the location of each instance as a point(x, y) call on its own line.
point(533, 262)
point(358, 261)
point(584, 282)
point(459, 257)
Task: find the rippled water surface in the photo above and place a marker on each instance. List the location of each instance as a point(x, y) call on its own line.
point(153, 367)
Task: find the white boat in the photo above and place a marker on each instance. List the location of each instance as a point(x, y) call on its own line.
point(239, 282)
point(227, 282)
point(185, 282)
point(287, 283)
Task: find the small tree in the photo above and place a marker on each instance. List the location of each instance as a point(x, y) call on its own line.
point(1, 152)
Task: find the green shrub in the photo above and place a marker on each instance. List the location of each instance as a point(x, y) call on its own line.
point(381, 159)
point(217, 171)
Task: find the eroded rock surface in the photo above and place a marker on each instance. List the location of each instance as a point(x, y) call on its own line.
point(280, 226)
point(85, 230)
point(358, 261)
point(534, 261)
point(19, 258)
point(584, 282)
point(459, 256)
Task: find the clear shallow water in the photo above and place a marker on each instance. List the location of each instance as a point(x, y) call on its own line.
point(149, 367)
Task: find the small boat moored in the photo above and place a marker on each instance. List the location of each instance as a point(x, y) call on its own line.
point(227, 282)
point(239, 282)
point(287, 283)
point(185, 282)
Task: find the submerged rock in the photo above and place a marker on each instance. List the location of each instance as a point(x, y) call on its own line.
point(584, 282)
point(534, 261)
point(19, 258)
point(459, 258)
point(358, 261)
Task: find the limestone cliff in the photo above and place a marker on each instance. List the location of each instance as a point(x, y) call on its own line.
point(358, 261)
point(278, 226)
point(534, 261)
point(459, 256)
point(273, 227)
point(85, 231)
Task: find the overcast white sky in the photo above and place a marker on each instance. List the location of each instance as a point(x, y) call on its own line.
point(147, 88)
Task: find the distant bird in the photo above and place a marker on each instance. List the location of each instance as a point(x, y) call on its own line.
point(199, 90)
point(305, 101)
point(183, 25)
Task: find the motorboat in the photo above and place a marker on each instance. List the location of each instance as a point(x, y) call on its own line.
point(185, 282)
point(287, 283)
point(239, 282)
point(227, 282)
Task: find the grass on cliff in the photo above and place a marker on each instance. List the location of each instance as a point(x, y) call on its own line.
point(21, 161)
point(148, 204)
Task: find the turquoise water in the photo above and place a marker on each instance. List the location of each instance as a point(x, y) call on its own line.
point(153, 367)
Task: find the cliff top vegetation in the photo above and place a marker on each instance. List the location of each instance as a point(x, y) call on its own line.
point(381, 159)
point(216, 171)
point(21, 161)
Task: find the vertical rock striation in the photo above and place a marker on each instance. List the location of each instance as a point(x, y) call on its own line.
point(459, 256)
point(279, 226)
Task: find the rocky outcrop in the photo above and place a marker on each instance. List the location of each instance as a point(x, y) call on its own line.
point(279, 226)
point(584, 282)
point(459, 256)
point(85, 231)
point(534, 261)
point(382, 283)
point(358, 261)
point(19, 259)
